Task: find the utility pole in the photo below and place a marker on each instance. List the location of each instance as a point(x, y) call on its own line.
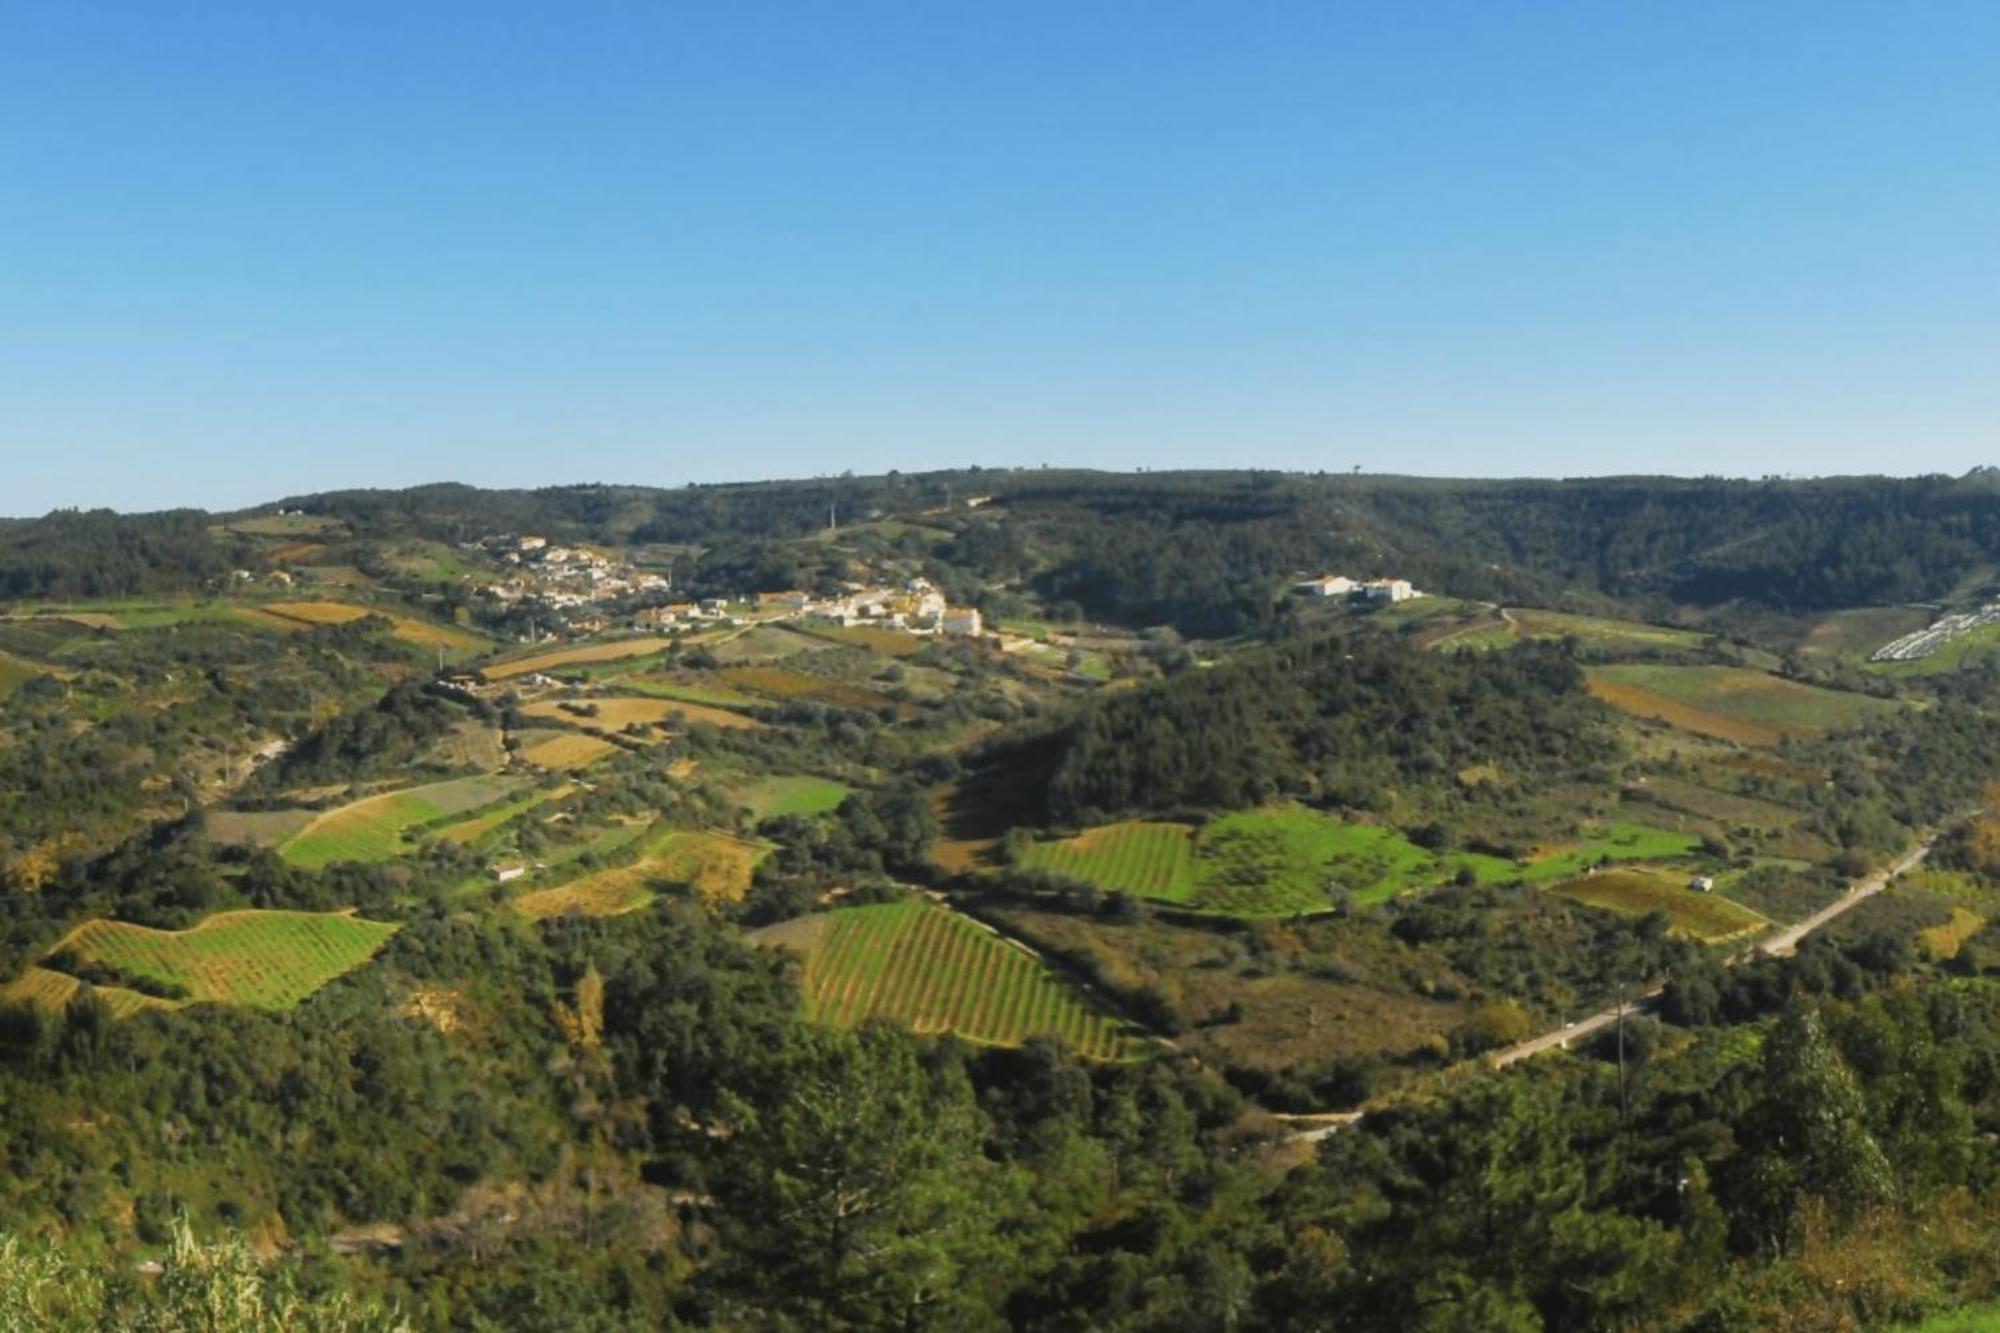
point(1624, 1109)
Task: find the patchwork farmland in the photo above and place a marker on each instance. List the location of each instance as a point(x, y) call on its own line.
point(1730, 703)
point(791, 794)
point(932, 970)
point(714, 865)
point(1707, 917)
point(262, 960)
point(372, 829)
point(613, 651)
point(1287, 860)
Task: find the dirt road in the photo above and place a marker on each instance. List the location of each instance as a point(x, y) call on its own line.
point(1313, 1128)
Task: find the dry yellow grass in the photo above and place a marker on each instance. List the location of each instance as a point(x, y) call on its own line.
point(40, 986)
point(567, 752)
point(595, 652)
point(715, 865)
point(1946, 940)
point(607, 893)
point(407, 628)
point(318, 613)
point(608, 714)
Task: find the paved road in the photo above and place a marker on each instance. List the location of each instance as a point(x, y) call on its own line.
point(1784, 942)
point(1316, 1127)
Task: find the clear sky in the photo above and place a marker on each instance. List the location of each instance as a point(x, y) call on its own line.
point(255, 248)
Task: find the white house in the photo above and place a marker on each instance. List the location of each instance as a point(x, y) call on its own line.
point(1326, 585)
point(1702, 884)
point(1388, 590)
point(964, 620)
point(508, 870)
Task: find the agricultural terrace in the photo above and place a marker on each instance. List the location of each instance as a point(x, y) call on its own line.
point(407, 628)
point(1287, 860)
point(715, 865)
point(785, 685)
point(13, 671)
point(674, 687)
point(1707, 917)
point(263, 960)
point(564, 751)
point(1730, 703)
point(1275, 862)
point(888, 642)
point(372, 829)
point(611, 651)
point(933, 970)
point(791, 794)
point(472, 830)
point(606, 715)
point(1599, 631)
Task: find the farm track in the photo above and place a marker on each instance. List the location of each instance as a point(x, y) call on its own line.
point(1779, 945)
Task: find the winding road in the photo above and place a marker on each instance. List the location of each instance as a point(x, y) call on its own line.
point(1313, 1128)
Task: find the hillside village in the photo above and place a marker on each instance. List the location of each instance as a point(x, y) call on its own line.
point(594, 593)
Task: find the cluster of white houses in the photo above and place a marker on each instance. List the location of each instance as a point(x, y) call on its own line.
point(1352, 590)
point(917, 607)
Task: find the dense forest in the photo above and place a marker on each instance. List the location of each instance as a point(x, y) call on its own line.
point(1343, 720)
point(1201, 551)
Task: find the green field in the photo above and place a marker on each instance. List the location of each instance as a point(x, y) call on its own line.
point(1591, 631)
point(372, 829)
point(933, 970)
point(666, 687)
point(1617, 841)
point(1286, 860)
point(265, 960)
point(1730, 703)
point(13, 671)
point(791, 794)
point(471, 830)
point(1704, 916)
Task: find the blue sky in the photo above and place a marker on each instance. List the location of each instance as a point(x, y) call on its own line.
point(251, 249)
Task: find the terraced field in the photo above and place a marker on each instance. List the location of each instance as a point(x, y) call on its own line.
point(605, 715)
point(1273, 862)
point(372, 829)
point(693, 692)
point(888, 642)
point(1730, 703)
point(715, 865)
point(409, 629)
point(782, 684)
point(1707, 917)
point(612, 651)
point(791, 794)
point(1593, 631)
point(932, 970)
point(1148, 858)
point(263, 960)
point(1287, 860)
point(566, 752)
point(472, 830)
point(256, 828)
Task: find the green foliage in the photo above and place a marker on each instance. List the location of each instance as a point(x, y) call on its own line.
point(217, 1287)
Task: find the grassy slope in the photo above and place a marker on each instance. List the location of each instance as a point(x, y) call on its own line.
point(372, 829)
point(933, 970)
point(266, 960)
point(1285, 860)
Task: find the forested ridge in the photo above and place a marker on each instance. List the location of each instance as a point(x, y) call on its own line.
point(1203, 551)
point(619, 1053)
point(1338, 719)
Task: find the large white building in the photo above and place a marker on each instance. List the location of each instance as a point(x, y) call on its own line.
point(1326, 585)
